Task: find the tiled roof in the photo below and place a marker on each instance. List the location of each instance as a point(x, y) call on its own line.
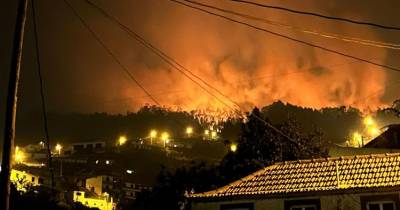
point(317, 175)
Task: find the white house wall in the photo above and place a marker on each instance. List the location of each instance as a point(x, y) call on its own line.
point(328, 202)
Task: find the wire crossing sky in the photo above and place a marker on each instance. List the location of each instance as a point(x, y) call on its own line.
point(320, 15)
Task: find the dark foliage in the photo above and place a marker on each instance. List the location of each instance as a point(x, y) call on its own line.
point(259, 146)
point(39, 198)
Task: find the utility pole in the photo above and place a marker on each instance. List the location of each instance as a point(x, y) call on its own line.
point(11, 109)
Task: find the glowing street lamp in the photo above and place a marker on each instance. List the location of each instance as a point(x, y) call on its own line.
point(368, 121)
point(233, 147)
point(19, 156)
point(213, 134)
point(164, 137)
point(373, 131)
point(122, 140)
point(58, 149)
point(41, 143)
point(153, 134)
point(189, 131)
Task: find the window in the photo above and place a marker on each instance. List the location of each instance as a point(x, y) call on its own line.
point(380, 202)
point(381, 205)
point(238, 206)
point(78, 147)
point(89, 147)
point(33, 179)
point(308, 204)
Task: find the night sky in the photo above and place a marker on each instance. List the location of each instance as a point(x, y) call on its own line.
point(252, 67)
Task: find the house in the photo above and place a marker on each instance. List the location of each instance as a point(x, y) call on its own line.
point(102, 202)
point(364, 182)
point(22, 180)
point(127, 185)
point(89, 147)
point(131, 189)
point(389, 139)
point(100, 184)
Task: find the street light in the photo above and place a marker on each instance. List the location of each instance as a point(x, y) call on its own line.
point(41, 143)
point(189, 131)
point(122, 140)
point(58, 148)
point(233, 147)
point(164, 137)
point(153, 134)
point(373, 131)
point(19, 155)
point(213, 134)
point(368, 121)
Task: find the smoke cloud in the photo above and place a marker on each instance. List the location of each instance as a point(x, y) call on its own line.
point(251, 67)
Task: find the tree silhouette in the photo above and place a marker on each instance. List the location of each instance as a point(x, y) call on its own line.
point(259, 146)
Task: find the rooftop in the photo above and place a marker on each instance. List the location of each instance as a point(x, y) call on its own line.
point(316, 175)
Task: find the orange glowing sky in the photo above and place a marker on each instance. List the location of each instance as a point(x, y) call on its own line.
point(251, 67)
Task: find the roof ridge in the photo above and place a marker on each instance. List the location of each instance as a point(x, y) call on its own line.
point(347, 157)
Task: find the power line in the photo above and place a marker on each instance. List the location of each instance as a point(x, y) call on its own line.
point(290, 38)
point(174, 63)
point(366, 42)
point(115, 58)
point(319, 15)
point(42, 97)
point(108, 50)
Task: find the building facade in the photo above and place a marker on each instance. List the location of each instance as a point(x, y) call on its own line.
point(365, 182)
point(100, 184)
point(84, 147)
point(102, 202)
point(23, 180)
point(131, 190)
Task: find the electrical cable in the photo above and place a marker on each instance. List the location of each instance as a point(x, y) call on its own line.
point(42, 97)
point(319, 15)
point(108, 50)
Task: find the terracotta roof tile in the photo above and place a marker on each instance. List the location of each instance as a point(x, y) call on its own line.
point(326, 174)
